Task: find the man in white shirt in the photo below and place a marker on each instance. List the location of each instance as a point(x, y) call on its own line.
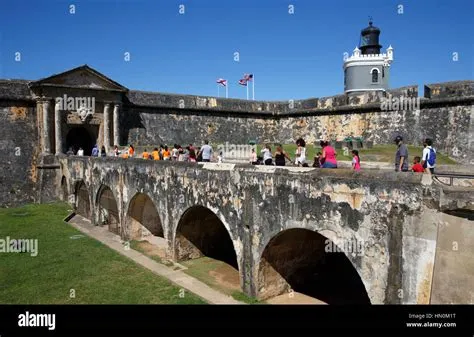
point(80, 152)
point(428, 161)
point(206, 151)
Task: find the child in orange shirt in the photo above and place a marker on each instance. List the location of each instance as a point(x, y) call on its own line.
point(155, 154)
point(166, 153)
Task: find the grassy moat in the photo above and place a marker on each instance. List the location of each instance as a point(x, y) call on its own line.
point(72, 268)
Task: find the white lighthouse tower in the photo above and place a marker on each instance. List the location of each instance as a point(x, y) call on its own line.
point(367, 69)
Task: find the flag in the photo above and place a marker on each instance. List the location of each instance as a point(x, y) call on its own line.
point(248, 77)
point(243, 82)
point(222, 81)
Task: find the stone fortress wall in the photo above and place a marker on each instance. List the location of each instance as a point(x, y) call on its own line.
point(445, 114)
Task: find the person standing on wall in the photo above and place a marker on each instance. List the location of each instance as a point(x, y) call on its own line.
point(116, 151)
point(300, 152)
point(166, 153)
point(95, 151)
point(328, 156)
point(281, 156)
point(428, 160)
point(355, 160)
point(401, 156)
point(155, 154)
point(206, 152)
point(417, 166)
point(267, 155)
point(253, 157)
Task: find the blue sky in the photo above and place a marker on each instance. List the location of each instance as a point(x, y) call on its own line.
point(292, 56)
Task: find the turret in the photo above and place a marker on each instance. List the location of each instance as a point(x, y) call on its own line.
point(367, 69)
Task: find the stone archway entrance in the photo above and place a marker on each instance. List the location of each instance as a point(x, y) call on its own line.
point(82, 136)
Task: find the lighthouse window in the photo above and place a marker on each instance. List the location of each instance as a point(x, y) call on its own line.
point(375, 75)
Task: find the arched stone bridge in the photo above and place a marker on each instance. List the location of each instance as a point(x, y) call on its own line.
point(278, 226)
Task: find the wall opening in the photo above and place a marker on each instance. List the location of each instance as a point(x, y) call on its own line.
point(108, 210)
point(201, 233)
point(375, 76)
point(80, 137)
point(83, 205)
point(296, 260)
point(142, 218)
point(64, 192)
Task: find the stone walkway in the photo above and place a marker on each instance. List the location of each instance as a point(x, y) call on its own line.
point(175, 276)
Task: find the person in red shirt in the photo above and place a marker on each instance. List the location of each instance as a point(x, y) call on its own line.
point(417, 167)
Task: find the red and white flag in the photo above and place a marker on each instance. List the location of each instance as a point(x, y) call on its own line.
point(222, 81)
point(243, 82)
point(248, 77)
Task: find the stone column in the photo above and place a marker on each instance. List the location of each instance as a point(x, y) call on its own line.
point(116, 125)
point(107, 126)
point(46, 138)
point(57, 128)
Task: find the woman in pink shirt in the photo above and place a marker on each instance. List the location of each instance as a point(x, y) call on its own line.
point(329, 155)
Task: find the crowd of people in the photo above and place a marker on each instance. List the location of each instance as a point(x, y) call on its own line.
point(426, 163)
point(325, 159)
point(176, 153)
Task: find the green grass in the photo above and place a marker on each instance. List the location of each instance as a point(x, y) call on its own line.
point(200, 268)
point(96, 273)
point(379, 153)
point(240, 296)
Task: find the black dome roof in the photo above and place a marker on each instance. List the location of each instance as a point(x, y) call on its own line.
point(370, 29)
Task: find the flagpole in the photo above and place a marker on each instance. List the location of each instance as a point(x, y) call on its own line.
point(253, 87)
point(226, 91)
point(247, 90)
point(218, 90)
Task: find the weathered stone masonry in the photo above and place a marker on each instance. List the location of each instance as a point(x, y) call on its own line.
point(256, 204)
point(263, 214)
point(124, 116)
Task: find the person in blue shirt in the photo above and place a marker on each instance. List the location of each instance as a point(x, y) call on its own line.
point(95, 151)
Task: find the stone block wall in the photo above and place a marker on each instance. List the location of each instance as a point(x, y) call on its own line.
point(19, 150)
point(446, 114)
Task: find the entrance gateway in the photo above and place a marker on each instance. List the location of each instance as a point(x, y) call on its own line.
point(86, 111)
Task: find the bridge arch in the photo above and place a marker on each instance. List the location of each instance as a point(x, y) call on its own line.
point(200, 232)
point(142, 218)
point(307, 262)
point(82, 199)
point(107, 208)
